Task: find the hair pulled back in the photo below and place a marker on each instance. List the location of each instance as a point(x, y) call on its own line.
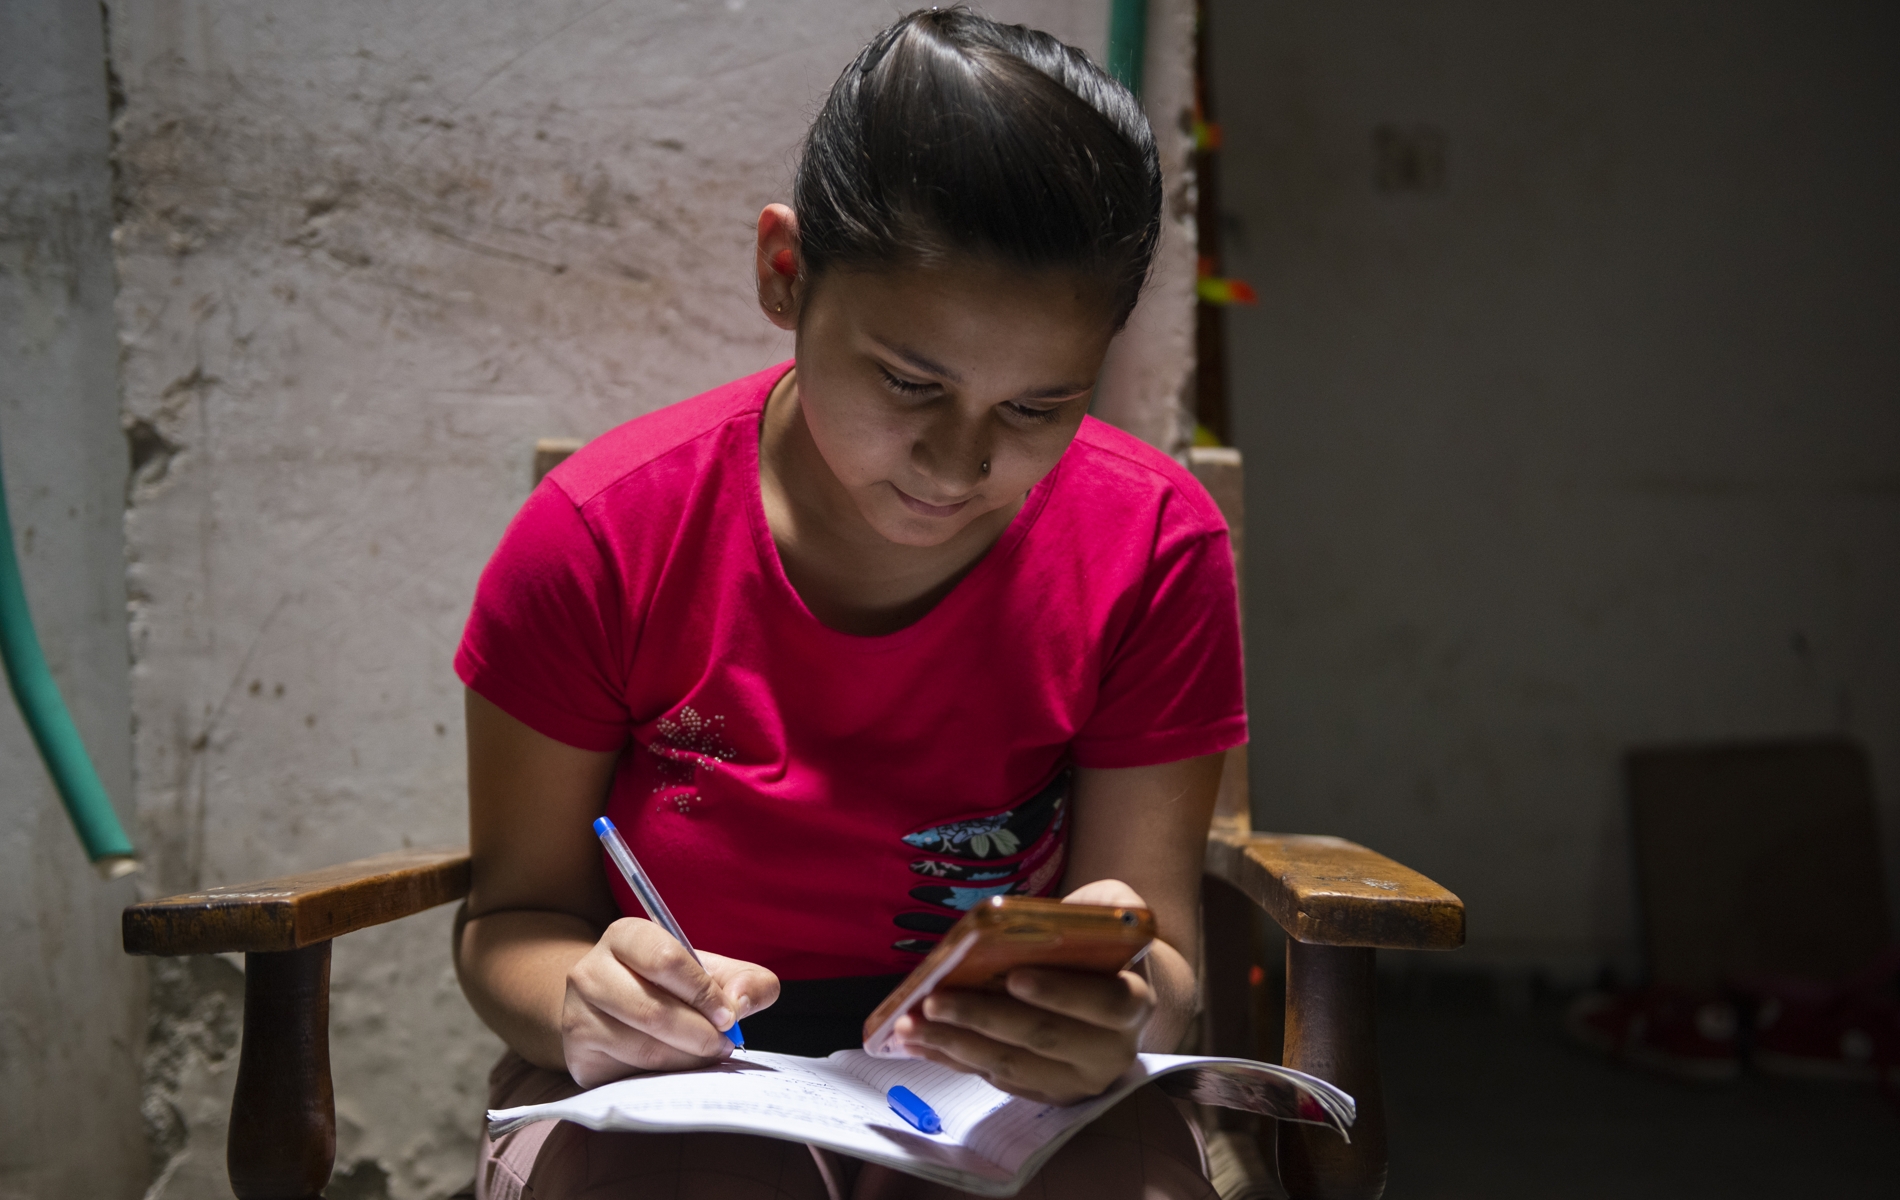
point(953, 135)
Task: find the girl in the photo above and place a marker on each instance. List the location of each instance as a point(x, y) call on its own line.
point(847, 645)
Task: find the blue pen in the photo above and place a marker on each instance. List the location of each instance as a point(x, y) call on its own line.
point(910, 1106)
point(650, 900)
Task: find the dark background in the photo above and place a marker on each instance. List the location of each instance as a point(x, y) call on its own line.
point(1571, 419)
point(1585, 439)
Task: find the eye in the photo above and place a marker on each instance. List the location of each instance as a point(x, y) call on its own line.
point(905, 387)
point(1029, 413)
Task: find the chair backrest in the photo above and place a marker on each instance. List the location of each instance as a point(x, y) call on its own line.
point(1222, 473)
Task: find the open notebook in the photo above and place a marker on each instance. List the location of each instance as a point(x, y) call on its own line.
point(991, 1142)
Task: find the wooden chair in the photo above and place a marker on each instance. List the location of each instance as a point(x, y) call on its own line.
point(1338, 902)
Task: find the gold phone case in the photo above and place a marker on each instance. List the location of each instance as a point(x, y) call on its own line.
point(1005, 932)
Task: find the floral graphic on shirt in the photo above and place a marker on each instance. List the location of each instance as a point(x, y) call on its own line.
point(1020, 851)
point(683, 745)
point(978, 839)
point(998, 836)
point(961, 898)
point(948, 870)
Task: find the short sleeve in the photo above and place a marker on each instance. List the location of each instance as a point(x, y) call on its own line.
point(543, 640)
point(1174, 687)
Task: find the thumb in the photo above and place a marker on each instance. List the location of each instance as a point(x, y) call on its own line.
point(749, 988)
point(1110, 892)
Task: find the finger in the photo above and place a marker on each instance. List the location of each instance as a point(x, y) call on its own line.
point(657, 956)
point(931, 1054)
point(605, 980)
point(749, 987)
point(643, 1007)
point(1121, 1002)
point(1010, 1021)
point(1112, 892)
point(1011, 1068)
point(599, 1048)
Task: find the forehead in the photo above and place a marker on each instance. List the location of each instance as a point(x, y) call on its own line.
point(969, 309)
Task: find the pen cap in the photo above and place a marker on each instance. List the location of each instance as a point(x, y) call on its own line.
point(910, 1106)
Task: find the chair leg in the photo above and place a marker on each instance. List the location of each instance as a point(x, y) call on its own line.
point(1329, 1033)
point(283, 1117)
point(1227, 926)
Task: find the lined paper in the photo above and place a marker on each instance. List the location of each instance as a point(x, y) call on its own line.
point(991, 1142)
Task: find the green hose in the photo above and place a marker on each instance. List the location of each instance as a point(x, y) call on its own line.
point(1127, 41)
point(52, 726)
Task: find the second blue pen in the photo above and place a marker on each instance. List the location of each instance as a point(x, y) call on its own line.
point(649, 897)
point(910, 1106)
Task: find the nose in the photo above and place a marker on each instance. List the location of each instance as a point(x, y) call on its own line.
point(951, 452)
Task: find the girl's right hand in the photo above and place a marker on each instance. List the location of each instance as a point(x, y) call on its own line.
point(638, 1002)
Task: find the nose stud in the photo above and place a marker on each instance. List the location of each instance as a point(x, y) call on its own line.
point(986, 466)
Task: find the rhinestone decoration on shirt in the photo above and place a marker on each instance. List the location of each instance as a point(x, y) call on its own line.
point(682, 744)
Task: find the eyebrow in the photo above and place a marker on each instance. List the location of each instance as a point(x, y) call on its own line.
point(930, 366)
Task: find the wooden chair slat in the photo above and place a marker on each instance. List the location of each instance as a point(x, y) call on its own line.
point(298, 910)
point(1328, 891)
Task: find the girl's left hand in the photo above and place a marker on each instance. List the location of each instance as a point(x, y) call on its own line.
point(1058, 1037)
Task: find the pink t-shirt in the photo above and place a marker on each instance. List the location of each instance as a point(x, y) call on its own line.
point(826, 804)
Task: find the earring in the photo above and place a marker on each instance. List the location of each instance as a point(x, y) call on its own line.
point(779, 307)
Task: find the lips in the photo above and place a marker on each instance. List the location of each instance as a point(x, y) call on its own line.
point(928, 510)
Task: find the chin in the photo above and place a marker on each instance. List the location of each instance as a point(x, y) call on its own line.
point(919, 532)
point(891, 520)
point(906, 528)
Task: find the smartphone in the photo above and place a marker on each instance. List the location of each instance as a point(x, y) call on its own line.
point(1006, 932)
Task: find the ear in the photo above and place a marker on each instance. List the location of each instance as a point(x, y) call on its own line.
point(779, 267)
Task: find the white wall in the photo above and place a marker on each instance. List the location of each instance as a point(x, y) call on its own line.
point(1598, 445)
point(369, 253)
point(70, 1002)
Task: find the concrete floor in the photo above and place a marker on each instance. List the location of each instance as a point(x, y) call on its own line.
point(1489, 1100)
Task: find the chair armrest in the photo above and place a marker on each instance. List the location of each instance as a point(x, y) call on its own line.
point(297, 910)
point(1331, 892)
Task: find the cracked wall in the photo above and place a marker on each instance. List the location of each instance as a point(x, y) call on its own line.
point(70, 1002)
point(368, 253)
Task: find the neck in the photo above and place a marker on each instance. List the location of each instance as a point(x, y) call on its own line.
point(818, 507)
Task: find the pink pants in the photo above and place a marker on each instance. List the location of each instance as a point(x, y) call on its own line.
point(1145, 1148)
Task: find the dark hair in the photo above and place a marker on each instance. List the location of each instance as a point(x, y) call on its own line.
point(952, 134)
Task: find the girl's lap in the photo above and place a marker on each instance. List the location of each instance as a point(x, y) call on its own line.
point(1142, 1148)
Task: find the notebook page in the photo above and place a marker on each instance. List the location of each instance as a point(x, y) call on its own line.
point(961, 1101)
point(779, 1095)
point(759, 1086)
point(989, 1138)
point(1004, 1129)
point(1018, 1135)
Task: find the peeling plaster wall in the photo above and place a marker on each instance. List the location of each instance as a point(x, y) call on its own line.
point(369, 252)
point(1595, 445)
point(70, 1002)
point(1144, 387)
